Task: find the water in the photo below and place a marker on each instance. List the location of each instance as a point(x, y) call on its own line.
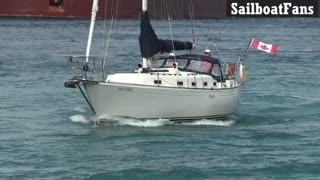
point(47, 130)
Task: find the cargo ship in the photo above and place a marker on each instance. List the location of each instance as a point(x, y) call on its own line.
point(122, 9)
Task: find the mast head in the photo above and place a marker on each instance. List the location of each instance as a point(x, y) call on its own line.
point(144, 5)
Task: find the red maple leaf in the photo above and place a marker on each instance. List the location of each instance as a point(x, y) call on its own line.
point(264, 47)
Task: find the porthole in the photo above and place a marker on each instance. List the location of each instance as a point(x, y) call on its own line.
point(157, 81)
point(180, 83)
point(55, 2)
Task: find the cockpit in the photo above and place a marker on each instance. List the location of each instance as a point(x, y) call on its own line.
point(192, 63)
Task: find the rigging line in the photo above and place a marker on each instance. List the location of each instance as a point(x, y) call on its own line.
point(192, 10)
point(108, 41)
point(173, 10)
point(111, 12)
point(119, 48)
point(163, 10)
point(117, 11)
point(182, 10)
point(225, 63)
point(193, 36)
point(192, 22)
point(104, 34)
point(176, 12)
point(220, 56)
point(154, 10)
point(171, 35)
point(209, 39)
point(168, 8)
point(107, 47)
point(171, 31)
point(214, 44)
point(123, 51)
point(104, 27)
point(198, 54)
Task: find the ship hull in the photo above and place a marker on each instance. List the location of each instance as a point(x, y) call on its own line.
point(122, 9)
point(150, 102)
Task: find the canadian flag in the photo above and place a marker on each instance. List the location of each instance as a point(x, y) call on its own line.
point(269, 48)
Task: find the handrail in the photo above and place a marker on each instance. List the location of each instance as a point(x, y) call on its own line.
point(79, 65)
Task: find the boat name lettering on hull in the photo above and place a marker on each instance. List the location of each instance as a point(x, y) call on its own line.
point(125, 89)
point(212, 96)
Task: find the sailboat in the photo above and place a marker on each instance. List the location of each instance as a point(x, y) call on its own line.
point(178, 87)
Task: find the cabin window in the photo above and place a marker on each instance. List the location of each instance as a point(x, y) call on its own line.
point(182, 63)
point(157, 63)
point(193, 83)
point(205, 66)
point(180, 83)
point(157, 81)
point(214, 84)
point(194, 65)
point(215, 70)
point(205, 84)
point(199, 66)
point(169, 62)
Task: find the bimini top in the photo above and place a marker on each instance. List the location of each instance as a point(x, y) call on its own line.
point(196, 57)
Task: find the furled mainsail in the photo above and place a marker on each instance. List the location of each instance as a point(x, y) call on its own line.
point(151, 45)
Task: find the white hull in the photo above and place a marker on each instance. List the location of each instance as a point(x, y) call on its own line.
point(151, 102)
point(177, 87)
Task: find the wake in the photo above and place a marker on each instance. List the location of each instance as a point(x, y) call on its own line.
point(145, 123)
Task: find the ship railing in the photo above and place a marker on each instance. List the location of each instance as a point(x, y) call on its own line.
point(234, 71)
point(88, 68)
point(240, 73)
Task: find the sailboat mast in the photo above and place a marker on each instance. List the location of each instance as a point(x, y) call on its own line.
point(144, 5)
point(146, 62)
point(93, 20)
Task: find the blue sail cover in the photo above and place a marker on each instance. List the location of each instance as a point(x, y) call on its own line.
point(151, 45)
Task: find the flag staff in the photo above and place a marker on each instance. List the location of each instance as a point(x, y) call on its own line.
point(245, 52)
point(247, 49)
